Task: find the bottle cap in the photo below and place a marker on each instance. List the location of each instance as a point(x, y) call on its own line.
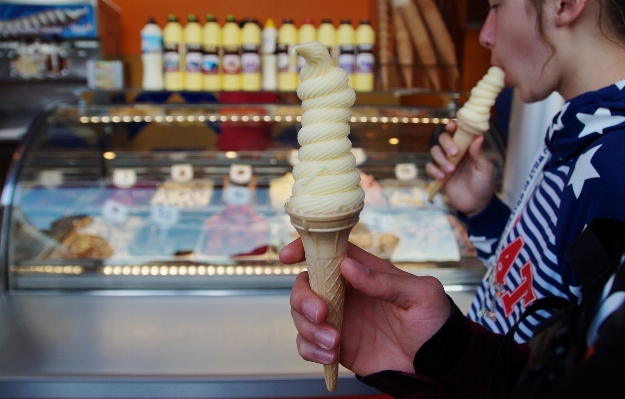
point(346, 21)
point(326, 21)
point(191, 18)
point(287, 21)
point(270, 23)
point(172, 18)
point(307, 21)
point(210, 18)
point(230, 18)
point(151, 20)
point(365, 22)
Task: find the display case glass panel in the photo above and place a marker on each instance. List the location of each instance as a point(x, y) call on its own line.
point(111, 195)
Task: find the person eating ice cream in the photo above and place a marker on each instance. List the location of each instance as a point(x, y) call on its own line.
point(401, 333)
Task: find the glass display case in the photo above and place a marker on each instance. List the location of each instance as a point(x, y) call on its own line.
point(185, 191)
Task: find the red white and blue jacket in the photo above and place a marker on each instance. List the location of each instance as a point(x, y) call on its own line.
point(579, 176)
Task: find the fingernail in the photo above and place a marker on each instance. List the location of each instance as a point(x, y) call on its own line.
point(324, 356)
point(449, 168)
point(311, 310)
point(358, 266)
point(325, 338)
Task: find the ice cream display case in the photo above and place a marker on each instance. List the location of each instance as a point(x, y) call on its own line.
point(156, 227)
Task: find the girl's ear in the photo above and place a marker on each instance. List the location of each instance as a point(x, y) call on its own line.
point(568, 11)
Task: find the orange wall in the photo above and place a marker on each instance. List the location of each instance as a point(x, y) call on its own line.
point(135, 13)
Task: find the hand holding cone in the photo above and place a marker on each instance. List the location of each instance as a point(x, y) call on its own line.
point(473, 118)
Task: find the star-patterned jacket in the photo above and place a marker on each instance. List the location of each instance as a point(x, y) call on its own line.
point(580, 176)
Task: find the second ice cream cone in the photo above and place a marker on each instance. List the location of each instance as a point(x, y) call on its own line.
point(325, 238)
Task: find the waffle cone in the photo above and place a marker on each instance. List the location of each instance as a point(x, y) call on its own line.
point(463, 137)
point(325, 242)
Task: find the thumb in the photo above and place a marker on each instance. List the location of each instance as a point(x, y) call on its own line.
point(475, 148)
point(401, 288)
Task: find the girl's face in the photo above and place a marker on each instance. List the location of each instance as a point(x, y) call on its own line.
point(512, 34)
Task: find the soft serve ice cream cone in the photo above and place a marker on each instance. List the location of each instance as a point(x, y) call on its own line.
point(327, 197)
point(472, 118)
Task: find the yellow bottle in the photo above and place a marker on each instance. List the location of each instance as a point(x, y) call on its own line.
point(326, 34)
point(287, 62)
point(250, 56)
point(365, 61)
point(211, 35)
point(193, 54)
point(306, 33)
point(173, 55)
point(231, 60)
point(345, 54)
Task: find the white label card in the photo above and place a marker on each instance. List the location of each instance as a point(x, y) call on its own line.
point(240, 174)
point(405, 171)
point(50, 178)
point(115, 212)
point(164, 216)
point(235, 195)
point(124, 178)
point(182, 173)
point(360, 155)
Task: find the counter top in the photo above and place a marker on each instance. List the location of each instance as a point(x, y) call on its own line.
point(124, 344)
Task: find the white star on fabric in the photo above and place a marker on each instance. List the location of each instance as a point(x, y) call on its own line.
point(483, 244)
point(601, 119)
point(620, 84)
point(583, 171)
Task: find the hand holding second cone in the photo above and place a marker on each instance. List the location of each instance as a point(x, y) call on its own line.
point(388, 314)
point(470, 183)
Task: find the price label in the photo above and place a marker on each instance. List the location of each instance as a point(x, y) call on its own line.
point(294, 157)
point(124, 178)
point(235, 195)
point(406, 171)
point(182, 173)
point(240, 174)
point(50, 178)
point(360, 155)
point(375, 221)
point(115, 212)
point(164, 216)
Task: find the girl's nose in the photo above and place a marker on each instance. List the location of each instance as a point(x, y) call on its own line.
point(487, 38)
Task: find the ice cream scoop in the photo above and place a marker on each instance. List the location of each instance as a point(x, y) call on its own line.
point(327, 197)
point(472, 118)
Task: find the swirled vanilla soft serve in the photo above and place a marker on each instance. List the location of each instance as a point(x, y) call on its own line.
point(326, 179)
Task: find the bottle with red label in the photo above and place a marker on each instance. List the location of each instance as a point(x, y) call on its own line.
point(173, 51)
point(210, 59)
point(193, 54)
point(287, 62)
point(250, 55)
point(346, 57)
point(365, 60)
point(231, 60)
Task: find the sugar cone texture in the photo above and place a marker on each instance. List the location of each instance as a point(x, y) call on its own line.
point(325, 242)
point(462, 138)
